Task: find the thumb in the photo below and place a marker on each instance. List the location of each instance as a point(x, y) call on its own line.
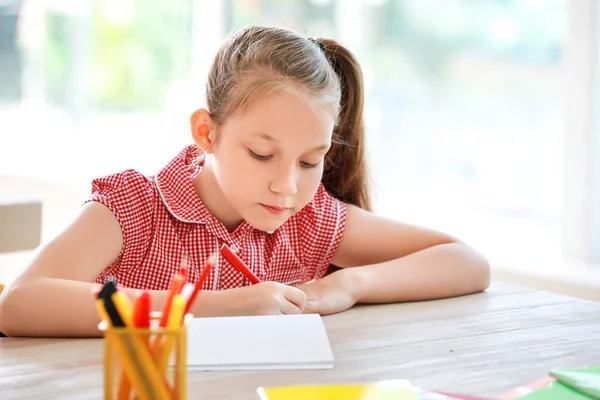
point(310, 307)
point(295, 296)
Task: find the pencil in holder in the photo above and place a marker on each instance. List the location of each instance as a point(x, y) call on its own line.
point(145, 364)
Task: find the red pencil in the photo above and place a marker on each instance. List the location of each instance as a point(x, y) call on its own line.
point(238, 264)
point(176, 285)
point(210, 263)
point(141, 310)
point(183, 269)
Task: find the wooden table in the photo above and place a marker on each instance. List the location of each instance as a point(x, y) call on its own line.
point(484, 344)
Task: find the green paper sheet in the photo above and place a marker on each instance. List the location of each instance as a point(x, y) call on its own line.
point(585, 380)
point(555, 391)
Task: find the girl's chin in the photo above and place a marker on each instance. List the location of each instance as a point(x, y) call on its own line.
point(267, 225)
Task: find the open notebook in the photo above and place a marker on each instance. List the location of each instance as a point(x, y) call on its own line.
point(258, 342)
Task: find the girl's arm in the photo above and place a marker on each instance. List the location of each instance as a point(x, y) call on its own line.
point(395, 262)
point(53, 296)
point(403, 262)
point(53, 307)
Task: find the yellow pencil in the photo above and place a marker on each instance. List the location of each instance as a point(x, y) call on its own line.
point(131, 369)
point(122, 350)
point(175, 319)
point(126, 309)
point(149, 373)
point(102, 311)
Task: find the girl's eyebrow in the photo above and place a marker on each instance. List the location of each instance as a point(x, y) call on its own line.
point(324, 146)
point(266, 136)
point(263, 135)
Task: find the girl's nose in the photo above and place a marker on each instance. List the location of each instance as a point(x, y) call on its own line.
point(284, 183)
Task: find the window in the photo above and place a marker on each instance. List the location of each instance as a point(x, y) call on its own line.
point(464, 99)
point(463, 108)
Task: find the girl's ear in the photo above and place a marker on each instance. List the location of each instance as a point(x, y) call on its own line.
point(203, 130)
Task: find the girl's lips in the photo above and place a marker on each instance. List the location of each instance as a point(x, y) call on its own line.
point(274, 209)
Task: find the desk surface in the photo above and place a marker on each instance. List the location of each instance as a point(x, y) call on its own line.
point(483, 344)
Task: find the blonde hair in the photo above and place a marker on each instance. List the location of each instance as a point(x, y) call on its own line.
point(258, 61)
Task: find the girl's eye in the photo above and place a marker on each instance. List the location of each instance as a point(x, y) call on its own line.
point(309, 165)
point(268, 157)
point(258, 156)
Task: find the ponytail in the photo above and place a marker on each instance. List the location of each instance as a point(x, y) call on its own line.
point(345, 170)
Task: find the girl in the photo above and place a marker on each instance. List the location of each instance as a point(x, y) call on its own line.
point(277, 169)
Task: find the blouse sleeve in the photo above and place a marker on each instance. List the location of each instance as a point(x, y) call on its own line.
point(130, 196)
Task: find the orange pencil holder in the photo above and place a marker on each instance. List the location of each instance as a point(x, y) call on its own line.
point(145, 364)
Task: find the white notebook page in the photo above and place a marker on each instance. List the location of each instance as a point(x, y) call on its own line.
point(258, 342)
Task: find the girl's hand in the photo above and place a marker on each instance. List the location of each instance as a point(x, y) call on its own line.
point(265, 298)
point(329, 295)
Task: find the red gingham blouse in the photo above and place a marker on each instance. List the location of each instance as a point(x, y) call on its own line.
point(162, 218)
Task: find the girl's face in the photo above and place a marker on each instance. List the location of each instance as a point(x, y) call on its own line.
point(268, 160)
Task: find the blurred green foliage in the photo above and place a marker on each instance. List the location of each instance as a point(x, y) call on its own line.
point(138, 48)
